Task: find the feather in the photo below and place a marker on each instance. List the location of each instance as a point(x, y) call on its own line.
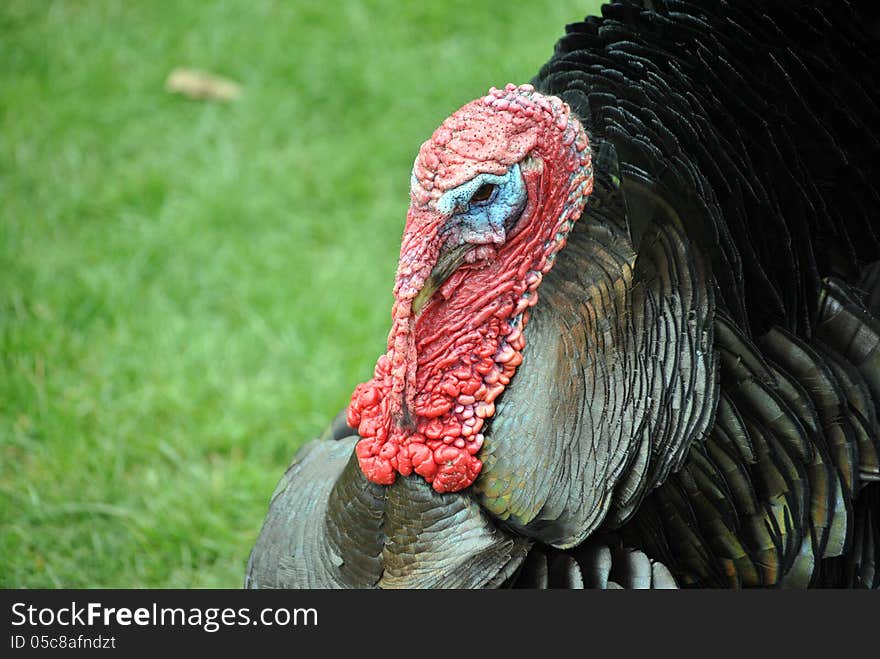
point(328, 527)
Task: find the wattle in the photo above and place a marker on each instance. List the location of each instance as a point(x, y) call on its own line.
point(459, 377)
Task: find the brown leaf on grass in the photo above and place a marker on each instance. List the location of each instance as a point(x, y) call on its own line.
point(202, 85)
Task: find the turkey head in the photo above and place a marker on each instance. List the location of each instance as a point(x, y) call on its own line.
point(495, 192)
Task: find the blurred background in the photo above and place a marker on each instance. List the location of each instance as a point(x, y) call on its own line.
point(190, 289)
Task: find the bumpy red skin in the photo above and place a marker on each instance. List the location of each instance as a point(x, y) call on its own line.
point(435, 387)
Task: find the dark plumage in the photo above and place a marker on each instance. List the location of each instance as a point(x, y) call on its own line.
point(698, 396)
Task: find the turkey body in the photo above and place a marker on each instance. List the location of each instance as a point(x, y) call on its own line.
point(697, 402)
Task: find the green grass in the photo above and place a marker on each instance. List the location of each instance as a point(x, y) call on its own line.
point(188, 290)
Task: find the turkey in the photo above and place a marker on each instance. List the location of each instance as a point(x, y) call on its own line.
point(635, 338)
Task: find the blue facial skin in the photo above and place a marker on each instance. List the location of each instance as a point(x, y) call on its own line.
point(484, 222)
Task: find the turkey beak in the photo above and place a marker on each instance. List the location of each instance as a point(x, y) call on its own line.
point(447, 263)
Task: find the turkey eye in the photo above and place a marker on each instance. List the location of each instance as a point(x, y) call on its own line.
point(483, 192)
